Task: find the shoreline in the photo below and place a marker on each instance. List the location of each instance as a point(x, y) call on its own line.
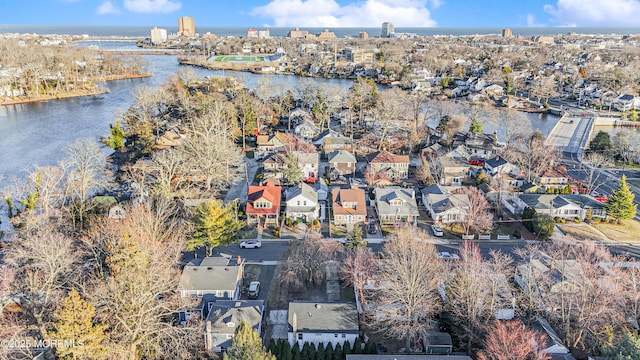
point(66, 95)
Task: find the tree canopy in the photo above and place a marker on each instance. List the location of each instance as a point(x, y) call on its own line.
point(601, 142)
point(247, 345)
point(215, 225)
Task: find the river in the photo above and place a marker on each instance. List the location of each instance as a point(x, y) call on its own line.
point(36, 133)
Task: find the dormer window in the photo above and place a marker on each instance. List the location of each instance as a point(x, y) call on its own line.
point(262, 205)
point(396, 202)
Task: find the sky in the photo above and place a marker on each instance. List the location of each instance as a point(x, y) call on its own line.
point(326, 13)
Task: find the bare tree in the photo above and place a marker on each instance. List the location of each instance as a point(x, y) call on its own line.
point(533, 156)
point(407, 300)
point(511, 340)
point(592, 163)
point(306, 261)
point(477, 217)
point(477, 290)
point(86, 168)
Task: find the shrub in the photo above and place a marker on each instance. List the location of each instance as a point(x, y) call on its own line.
point(597, 220)
point(578, 219)
point(276, 232)
point(517, 234)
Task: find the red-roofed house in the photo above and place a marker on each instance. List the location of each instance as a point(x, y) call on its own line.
point(263, 202)
point(396, 167)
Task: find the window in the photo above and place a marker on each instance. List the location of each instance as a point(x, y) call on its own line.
point(335, 335)
point(304, 203)
point(298, 202)
point(218, 293)
point(339, 217)
point(300, 336)
point(229, 336)
point(231, 324)
point(344, 336)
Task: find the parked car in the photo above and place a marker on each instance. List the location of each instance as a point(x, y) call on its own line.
point(254, 289)
point(251, 244)
point(447, 256)
point(437, 231)
point(476, 162)
point(372, 228)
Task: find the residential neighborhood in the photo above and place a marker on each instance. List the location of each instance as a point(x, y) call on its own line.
point(411, 216)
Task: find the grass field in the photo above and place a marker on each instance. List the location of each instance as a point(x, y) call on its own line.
point(238, 58)
point(581, 232)
point(626, 232)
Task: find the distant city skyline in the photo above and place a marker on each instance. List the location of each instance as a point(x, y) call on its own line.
point(326, 13)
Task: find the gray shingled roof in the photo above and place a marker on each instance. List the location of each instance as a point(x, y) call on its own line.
point(408, 207)
point(324, 317)
point(234, 311)
point(342, 156)
point(211, 273)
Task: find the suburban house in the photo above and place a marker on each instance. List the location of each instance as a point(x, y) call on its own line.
point(626, 102)
point(212, 278)
point(263, 204)
point(225, 316)
point(302, 202)
point(349, 206)
point(306, 129)
point(566, 206)
point(319, 140)
point(322, 323)
point(443, 206)
point(479, 145)
point(395, 204)
point(274, 164)
point(556, 177)
point(331, 144)
point(309, 162)
point(454, 170)
point(269, 144)
point(498, 165)
point(341, 163)
point(396, 167)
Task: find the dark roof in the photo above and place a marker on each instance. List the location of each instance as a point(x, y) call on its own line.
point(495, 161)
point(434, 189)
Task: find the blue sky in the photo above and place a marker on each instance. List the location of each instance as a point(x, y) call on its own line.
point(326, 13)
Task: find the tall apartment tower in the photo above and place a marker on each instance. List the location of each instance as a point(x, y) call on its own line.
point(388, 29)
point(158, 35)
point(186, 26)
point(507, 33)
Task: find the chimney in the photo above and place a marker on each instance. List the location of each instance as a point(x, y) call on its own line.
point(294, 322)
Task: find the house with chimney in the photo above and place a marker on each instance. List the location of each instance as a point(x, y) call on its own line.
point(224, 318)
point(322, 323)
point(263, 204)
point(396, 205)
point(341, 163)
point(212, 278)
point(302, 202)
point(349, 206)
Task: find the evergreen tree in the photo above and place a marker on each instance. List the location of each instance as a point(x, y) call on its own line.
point(370, 348)
point(443, 123)
point(357, 346)
point(320, 352)
point(544, 225)
point(346, 348)
point(355, 239)
point(628, 348)
point(620, 205)
point(295, 352)
point(284, 349)
point(328, 352)
point(74, 322)
point(293, 175)
point(307, 353)
point(528, 217)
point(338, 354)
point(116, 139)
point(215, 225)
point(476, 126)
point(482, 178)
point(601, 142)
point(247, 345)
point(273, 348)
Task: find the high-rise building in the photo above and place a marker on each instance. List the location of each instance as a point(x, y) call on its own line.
point(363, 35)
point(388, 29)
point(297, 33)
point(158, 35)
point(506, 33)
point(186, 26)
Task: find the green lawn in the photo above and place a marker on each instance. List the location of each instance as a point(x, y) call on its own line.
point(628, 231)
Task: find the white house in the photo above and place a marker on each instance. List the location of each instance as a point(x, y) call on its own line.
point(308, 162)
point(443, 206)
point(212, 278)
point(498, 165)
point(302, 202)
point(324, 323)
point(306, 129)
point(225, 316)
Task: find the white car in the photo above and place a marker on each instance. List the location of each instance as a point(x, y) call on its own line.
point(447, 256)
point(251, 244)
point(254, 289)
point(437, 231)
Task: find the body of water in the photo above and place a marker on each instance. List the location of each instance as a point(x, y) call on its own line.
point(282, 31)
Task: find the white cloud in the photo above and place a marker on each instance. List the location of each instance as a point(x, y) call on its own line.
point(435, 3)
point(152, 6)
point(594, 12)
point(328, 13)
point(531, 21)
point(107, 7)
